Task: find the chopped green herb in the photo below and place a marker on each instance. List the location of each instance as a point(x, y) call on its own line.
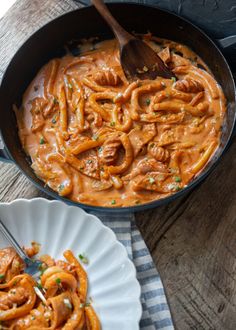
point(32, 318)
point(83, 259)
point(81, 168)
point(173, 187)
point(41, 141)
point(39, 285)
point(89, 161)
point(100, 149)
point(148, 101)
point(55, 100)
point(95, 137)
point(152, 145)
point(41, 267)
point(2, 276)
point(17, 264)
point(58, 280)
point(113, 202)
point(112, 123)
point(177, 179)
point(70, 86)
point(61, 187)
point(151, 180)
point(87, 304)
point(173, 79)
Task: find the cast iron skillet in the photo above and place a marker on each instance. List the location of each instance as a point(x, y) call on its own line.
point(48, 42)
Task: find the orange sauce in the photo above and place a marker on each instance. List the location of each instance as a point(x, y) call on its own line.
point(99, 139)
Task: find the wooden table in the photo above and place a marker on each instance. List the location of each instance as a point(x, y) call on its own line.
point(192, 240)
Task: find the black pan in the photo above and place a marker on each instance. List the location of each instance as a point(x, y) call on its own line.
point(48, 42)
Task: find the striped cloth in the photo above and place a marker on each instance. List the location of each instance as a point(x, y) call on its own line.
point(156, 313)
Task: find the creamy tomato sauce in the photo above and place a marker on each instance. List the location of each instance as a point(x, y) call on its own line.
point(99, 139)
point(57, 300)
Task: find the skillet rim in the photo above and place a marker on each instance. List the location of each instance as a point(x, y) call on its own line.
point(140, 207)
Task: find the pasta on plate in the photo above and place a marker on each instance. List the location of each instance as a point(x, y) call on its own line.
point(99, 139)
point(64, 285)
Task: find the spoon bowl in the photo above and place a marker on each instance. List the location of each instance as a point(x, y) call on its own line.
point(138, 60)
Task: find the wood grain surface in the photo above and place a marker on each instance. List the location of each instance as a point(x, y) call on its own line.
point(192, 240)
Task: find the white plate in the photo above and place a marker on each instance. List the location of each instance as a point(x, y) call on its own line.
point(113, 286)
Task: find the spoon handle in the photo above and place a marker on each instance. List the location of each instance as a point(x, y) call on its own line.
point(12, 241)
point(121, 34)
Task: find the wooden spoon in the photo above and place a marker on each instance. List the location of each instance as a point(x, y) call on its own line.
point(138, 60)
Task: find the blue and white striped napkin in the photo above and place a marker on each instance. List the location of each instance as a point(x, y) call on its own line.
point(156, 313)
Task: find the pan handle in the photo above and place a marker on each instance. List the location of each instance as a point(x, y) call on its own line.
point(4, 157)
point(228, 47)
point(227, 42)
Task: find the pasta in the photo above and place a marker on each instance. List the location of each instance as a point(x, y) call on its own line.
point(64, 287)
point(99, 139)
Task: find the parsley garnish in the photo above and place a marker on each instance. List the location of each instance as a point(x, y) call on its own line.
point(148, 101)
point(61, 187)
point(112, 123)
point(173, 79)
point(177, 179)
point(113, 202)
point(173, 187)
point(151, 180)
point(41, 141)
point(83, 259)
point(70, 86)
point(55, 100)
point(2, 276)
point(87, 304)
point(58, 280)
point(95, 137)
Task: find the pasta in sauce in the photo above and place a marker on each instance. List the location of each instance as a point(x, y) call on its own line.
point(99, 139)
point(64, 285)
